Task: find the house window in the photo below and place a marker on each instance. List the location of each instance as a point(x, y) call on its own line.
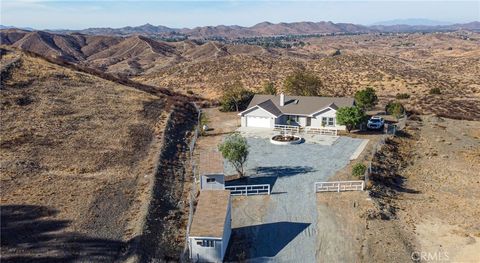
point(206, 243)
point(309, 121)
point(210, 180)
point(328, 121)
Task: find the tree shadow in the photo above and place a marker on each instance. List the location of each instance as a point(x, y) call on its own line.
point(253, 180)
point(281, 171)
point(265, 240)
point(29, 234)
point(269, 175)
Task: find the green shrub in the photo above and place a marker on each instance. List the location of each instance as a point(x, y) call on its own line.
point(395, 108)
point(402, 96)
point(366, 98)
point(435, 91)
point(358, 170)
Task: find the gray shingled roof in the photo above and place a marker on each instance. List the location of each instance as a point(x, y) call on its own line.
point(298, 105)
point(269, 106)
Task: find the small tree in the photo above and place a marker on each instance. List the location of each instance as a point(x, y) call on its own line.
point(366, 99)
point(235, 150)
point(358, 170)
point(395, 108)
point(269, 88)
point(235, 97)
point(350, 117)
point(303, 83)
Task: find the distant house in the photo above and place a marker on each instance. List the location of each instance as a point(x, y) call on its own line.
point(211, 227)
point(270, 111)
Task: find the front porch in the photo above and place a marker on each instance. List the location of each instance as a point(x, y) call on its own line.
point(294, 129)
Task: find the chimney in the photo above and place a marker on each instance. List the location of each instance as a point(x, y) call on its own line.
point(282, 99)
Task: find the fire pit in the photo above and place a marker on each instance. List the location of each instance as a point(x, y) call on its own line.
point(286, 139)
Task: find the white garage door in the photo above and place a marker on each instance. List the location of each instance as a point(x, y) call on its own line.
point(262, 122)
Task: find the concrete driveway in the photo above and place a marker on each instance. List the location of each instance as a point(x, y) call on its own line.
point(283, 227)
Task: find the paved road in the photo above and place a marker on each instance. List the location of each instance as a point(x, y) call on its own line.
point(288, 230)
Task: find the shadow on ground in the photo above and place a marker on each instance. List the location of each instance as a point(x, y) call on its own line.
point(269, 175)
point(265, 240)
point(282, 171)
point(29, 234)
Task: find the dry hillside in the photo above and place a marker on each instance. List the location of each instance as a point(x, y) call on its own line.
point(412, 63)
point(406, 63)
point(78, 163)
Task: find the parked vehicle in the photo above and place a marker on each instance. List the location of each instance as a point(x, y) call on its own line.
point(376, 123)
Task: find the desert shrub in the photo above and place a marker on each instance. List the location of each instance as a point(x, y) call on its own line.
point(435, 91)
point(303, 83)
point(366, 98)
point(350, 117)
point(190, 92)
point(395, 108)
point(358, 170)
point(402, 96)
point(235, 97)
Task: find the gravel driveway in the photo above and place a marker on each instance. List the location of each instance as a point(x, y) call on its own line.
point(288, 230)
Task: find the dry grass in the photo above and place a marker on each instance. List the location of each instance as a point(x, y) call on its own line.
point(80, 147)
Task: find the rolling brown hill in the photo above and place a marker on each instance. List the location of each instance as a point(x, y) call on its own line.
point(409, 63)
point(124, 56)
point(397, 63)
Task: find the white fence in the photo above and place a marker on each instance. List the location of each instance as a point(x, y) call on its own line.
point(287, 128)
point(321, 131)
point(339, 186)
point(255, 189)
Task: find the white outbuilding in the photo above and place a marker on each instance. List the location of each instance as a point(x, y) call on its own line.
point(211, 227)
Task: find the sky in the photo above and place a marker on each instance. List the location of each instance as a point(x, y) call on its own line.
point(178, 14)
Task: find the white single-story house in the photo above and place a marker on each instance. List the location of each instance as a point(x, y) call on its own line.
point(269, 111)
point(211, 227)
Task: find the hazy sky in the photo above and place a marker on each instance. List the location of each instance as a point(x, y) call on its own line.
point(83, 14)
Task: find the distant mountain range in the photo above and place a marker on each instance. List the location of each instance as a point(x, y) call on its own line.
point(271, 29)
point(413, 22)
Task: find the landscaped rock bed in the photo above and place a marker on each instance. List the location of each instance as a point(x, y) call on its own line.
point(286, 139)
